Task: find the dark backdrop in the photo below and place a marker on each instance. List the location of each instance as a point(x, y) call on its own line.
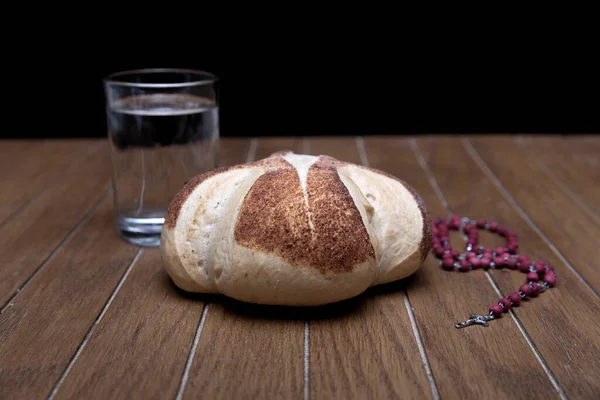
point(325, 85)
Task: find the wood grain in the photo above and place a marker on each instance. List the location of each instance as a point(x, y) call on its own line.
point(29, 155)
point(268, 146)
point(469, 363)
point(42, 329)
point(364, 347)
point(249, 351)
point(17, 151)
point(140, 346)
point(28, 168)
point(562, 322)
point(558, 216)
point(570, 163)
point(27, 240)
point(589, 144)
point(13, 147)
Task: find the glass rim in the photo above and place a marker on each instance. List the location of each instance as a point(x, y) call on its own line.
point(204, 78)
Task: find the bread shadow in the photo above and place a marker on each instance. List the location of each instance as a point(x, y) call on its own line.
point(342, 309)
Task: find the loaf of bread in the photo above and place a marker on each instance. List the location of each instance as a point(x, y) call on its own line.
point(294, 230)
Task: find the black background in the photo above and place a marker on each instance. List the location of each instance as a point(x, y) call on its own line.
point(347, 81)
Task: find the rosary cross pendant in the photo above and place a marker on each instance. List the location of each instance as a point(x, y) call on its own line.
point(476, 320)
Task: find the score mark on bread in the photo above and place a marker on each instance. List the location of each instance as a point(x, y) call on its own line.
point(326, 232)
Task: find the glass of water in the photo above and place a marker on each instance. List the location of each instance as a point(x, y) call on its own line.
point(163, 129)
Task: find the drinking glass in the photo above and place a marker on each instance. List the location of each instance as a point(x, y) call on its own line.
point(163, 129)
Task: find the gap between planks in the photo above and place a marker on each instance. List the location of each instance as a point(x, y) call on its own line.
point(488, 172)
point(364, 159)
point(86, 217)
point(92, 328)
point(190, 359)
point(423, 163)
point(559, 182)
point(53, 181)
point(306, 359)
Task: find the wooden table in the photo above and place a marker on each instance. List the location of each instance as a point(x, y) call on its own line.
point(86, 315)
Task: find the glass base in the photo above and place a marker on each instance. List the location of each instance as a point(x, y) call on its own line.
point(142, 230)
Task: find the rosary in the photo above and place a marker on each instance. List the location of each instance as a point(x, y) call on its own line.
point(480, 257)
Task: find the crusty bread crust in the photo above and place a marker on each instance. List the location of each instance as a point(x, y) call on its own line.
point(427, 241)
point(174, 207)
point(326, 232)
point(294, 230)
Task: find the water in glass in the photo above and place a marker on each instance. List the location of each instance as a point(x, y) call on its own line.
point(158, 142)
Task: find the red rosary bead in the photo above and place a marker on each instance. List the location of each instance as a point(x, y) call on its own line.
point(464, 266)
point(485, 262)
point(524, 266)
point(536, 289)
point(515, 298)
point(532, 277)
point(511, 263)
point(526, 289)
point(496, 310)
point(455, 222)
point(550, 279)
point(540, 269)
point(448, 263)
point(504, 303)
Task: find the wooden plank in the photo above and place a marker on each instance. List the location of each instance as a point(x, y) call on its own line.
point(31, 237)
point(587, 148)
point(246, 350)
point(469, 363)
point(268, 146)
point(364, 347)
point(572, 229)
point(140, 347)
point(30, 167)
point(589, 143)
point(11, 150)
point(42, 329)
point(562, 323)
point(570, 164)
point(17, 155)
